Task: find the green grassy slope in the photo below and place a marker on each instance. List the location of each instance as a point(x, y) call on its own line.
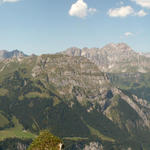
point(134, 83)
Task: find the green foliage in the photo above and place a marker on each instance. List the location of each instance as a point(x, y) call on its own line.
point(134, 83)
point(3, 121)
point(45, 141)
point(100, 135)
point(3, 92)
point(16, 131)
point(14, 144)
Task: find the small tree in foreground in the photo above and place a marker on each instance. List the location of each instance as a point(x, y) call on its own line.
point(46, 141)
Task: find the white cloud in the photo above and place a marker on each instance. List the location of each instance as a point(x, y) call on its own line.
point(121, 12)
point(80, 9)
point(143, 3)
point(141, 13)
point(128, 34)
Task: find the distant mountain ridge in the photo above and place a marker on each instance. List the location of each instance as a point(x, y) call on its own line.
point(114, 58)
point(4, 54)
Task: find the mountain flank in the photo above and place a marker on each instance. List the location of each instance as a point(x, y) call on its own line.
point(74, 99)
point(89, 98)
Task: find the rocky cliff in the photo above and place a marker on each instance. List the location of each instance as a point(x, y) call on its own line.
point(114, 58)
point(78, 77)
point(4, 54)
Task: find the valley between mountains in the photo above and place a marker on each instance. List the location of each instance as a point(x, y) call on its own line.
point(93, 99)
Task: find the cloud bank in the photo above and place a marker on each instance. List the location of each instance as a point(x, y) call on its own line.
point(125, 11)
point(121, 12)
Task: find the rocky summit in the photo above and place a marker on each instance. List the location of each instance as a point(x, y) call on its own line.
point(4, 54)
point(114, 58)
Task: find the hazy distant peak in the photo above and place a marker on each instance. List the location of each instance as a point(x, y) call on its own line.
point(123, 46)
point(111, 45)
point(145, 54)
point(4, 54)
point(114, 58)
point(111, 48)
point(73, 51)
point(3, 51)
point(17, 53)
point(117, 47)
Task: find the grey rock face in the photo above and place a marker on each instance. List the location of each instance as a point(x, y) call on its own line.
point(15, 53)
point(80, 78)
point(73, 76)
point(93, 146)
point(114, 58)
point(21, 146)
point(146, 54)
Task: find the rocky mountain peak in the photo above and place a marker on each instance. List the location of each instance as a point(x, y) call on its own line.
point(145, 54)
point(114, 58)
point(124, 46)
point(119, 48)
point(73, 51)
point(4, 54)
point(111, 45)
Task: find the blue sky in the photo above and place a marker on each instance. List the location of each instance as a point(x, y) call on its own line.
point(49, 26)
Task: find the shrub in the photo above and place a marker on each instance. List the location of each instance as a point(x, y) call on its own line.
point(46, 141)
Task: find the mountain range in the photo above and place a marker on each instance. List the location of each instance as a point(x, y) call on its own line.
point(88, 97)
point(114, 58)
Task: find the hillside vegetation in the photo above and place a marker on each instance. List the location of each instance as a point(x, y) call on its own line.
point(74, 100)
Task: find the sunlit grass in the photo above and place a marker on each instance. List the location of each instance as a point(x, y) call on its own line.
point(16, 132)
